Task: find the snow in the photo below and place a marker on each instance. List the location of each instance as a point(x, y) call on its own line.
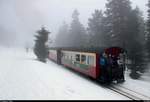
point(140, 86)
point(24, 78)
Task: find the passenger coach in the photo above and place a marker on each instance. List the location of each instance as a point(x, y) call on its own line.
point(103, 64)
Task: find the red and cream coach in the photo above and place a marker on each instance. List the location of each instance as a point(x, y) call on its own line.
point(103, 64)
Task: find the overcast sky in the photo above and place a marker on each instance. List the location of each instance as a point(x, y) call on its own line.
point(23, 17)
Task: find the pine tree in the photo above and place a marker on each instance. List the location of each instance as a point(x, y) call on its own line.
point(136, 47)
point(77, 32)
point(117, 20)
point(62, 36)
point(40, 48)
point(96, 29)
point(123, 27)
point(148, 31)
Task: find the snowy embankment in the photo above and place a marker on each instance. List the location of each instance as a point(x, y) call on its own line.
point(22, 77)
point(141, 86)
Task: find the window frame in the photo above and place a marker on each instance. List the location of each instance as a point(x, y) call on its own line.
point(77, 57)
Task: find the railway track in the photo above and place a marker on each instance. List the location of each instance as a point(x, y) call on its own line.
point(132, 95)
point(142, 95)
point(129, 93)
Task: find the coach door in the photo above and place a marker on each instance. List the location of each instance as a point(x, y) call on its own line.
point(59, 56)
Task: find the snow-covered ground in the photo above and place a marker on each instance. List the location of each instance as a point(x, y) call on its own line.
point(24, 78)
point(141, 86)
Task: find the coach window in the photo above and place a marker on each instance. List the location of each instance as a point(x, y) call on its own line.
point(66, 57)
point(63, 54)
point(87, 61)
point(83, 59)
point(73, 57)
point(91, 60)
point(78, 57)
point(69, 57)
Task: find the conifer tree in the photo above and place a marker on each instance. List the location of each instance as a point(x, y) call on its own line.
point(123, 27)
point(62, 36)
point(148, 30)
point(40, 48)
point(77, 33)
point(117, 21)
point(136, 48)
point(96, 29)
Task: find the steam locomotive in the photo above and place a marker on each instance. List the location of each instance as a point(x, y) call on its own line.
point(103, 64)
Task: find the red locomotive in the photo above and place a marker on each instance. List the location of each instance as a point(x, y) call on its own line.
point(103, 64)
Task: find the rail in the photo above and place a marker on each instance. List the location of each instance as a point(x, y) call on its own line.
point(129, 93)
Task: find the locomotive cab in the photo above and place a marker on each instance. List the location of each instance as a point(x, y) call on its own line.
point(114, 66)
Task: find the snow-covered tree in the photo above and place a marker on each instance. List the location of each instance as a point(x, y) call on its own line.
point(40, 48)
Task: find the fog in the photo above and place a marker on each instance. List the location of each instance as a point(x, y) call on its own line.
point(20, 19)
